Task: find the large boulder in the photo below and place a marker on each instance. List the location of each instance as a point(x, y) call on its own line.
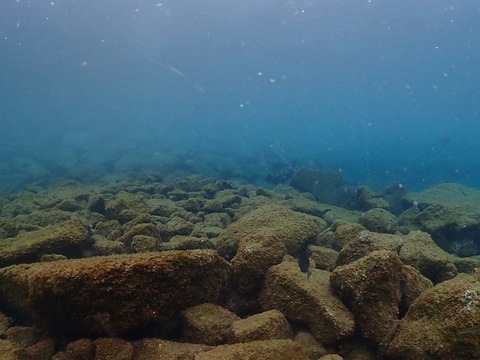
point(376, 288)
point(326, 186)
point(113, 295)
point(442, 323)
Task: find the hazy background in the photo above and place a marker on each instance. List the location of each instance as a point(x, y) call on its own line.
point(381, 90)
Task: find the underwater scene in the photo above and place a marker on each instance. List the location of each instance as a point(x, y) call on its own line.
point(239, 180)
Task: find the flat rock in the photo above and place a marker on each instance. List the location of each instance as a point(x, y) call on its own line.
point(65, 238)
point(268, 325)
point(115, 294)
point(265, 350)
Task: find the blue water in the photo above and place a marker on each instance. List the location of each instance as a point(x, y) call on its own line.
point(381, 90)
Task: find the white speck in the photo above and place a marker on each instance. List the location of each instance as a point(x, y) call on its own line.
point(103, 41)
point(241, 105)
point(259, 73)
point(84, 63)
point(272, 81)
point(18, 24)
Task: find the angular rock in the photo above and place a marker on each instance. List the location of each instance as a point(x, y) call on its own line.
point(442, 323)
point(307, 300)
point(114, 294)
point(421, 252)
point(374, 288)
point(67, 238)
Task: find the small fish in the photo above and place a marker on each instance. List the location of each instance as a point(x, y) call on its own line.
point(304, 262)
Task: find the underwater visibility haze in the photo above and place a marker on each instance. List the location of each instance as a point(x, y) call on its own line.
point(382, 91)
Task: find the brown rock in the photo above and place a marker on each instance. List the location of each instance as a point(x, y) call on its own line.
point(442, 323)
point(379, 220)
point(256, 253)
point(82, 349)
point(421, 252)
point(264, 350)
point(292, 228)
point(65, 238)
point(307, 300)
point(365, 243)
point(113, 348)
point(208, 324)
point(114, 294)
point(268, 325)
point(323, 257)
point(373, 289)
point(312, 347)
point(156, 349)
point(9, 350)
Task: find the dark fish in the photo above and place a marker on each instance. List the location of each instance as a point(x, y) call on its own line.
point(304, 262)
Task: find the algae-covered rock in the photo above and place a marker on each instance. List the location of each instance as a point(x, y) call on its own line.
point(208, 324)
point(373, 288)
point(379, 220)
point(67, 238)
point(308, 301)
point(264, 349)
point(442, 323)
point(421, 252)
point(451, 214)
point(268, 325)
point(115, 294)
point(292, 228)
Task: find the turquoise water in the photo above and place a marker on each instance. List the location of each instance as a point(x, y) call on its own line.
point(381, 90)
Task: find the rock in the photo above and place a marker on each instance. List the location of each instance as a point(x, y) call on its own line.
point(326, 186)
point(421, 252)
point(145, 229)
point(308, 301)
point(256, 254)
point(416, 249)
point(373, 288)
point(157, 349)
point(113, 295)
point(265, 350)
point(268, 325)
point(9, 350)
point(208, 324)
point(323, 257)
point(312, 347)
point(365, 243)
point(339, 235)
point(67, 238)
point(292, 228)
point(176, 226)
point(83, 349)
point(143, 243)
point(451, 214)
point(363, 199)
point(113, 348)
point(23, 336)
point(438, 325)
point(379, 220)
point(44, 349)
point(104, 247)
